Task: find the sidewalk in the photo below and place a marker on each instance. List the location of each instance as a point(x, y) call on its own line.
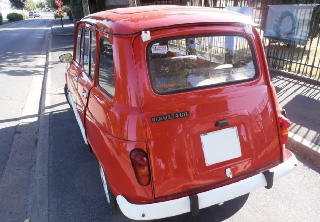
point(301, 101)
point(67, 29)
point(62, 37)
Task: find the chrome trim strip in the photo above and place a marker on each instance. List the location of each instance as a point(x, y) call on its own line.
point(82, 129)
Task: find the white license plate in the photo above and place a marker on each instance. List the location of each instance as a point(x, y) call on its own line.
point(221, 145)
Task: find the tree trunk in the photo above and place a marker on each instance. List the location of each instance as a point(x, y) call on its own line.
point(75, 17)
point(206, 3)
point(133, 3)
point(85, 5)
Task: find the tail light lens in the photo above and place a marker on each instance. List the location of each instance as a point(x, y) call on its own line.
point(284, 127)
point(140, 164)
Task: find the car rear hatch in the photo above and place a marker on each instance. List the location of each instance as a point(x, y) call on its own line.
point(210, 119)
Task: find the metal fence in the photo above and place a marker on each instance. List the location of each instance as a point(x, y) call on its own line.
point(298, 60)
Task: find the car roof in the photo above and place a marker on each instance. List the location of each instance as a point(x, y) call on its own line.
point(125, 21)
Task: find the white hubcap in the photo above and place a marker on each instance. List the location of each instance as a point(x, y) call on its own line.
point(104, 183)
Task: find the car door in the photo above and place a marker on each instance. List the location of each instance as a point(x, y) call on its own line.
point(86, 76)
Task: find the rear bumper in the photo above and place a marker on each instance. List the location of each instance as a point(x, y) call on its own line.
point(205, 199)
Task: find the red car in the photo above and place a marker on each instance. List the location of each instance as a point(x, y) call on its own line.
point(177, 105)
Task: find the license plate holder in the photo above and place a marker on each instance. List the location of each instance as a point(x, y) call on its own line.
point(221, 145)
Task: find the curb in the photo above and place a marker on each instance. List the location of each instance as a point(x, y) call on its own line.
point(39, 201)
point(6, 22)
point(304, 147)
point(295, 76)
point(67, 34)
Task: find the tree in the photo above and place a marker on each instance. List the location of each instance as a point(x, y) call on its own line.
point(72, 11)
point(50, 3)
point(18, 4)
point(40, 5)
point(85, 6)
point(29, 5)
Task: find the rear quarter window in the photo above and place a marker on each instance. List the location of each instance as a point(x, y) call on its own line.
point(106, 67)
point(191, 62)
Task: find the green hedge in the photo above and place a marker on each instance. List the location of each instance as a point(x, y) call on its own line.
point(13, 17)
point(1, 19)
point(58, 15)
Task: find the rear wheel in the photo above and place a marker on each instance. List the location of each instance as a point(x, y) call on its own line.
point(111, 199)
point(66, 94)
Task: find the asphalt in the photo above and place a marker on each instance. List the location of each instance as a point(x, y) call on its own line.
point(300, 99)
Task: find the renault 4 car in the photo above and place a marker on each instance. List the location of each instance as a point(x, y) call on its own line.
point(177, 105)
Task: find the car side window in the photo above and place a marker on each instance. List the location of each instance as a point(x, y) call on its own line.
point(79, 44)
point(86, 50)
point(92, 53)
point(106, 70)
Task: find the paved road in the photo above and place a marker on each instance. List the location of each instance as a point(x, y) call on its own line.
point(23, 47)
point(76, 194)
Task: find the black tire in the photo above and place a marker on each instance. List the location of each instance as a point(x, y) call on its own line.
point(66, 94)
point(111, 199)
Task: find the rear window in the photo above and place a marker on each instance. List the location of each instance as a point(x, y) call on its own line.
point(192, 62)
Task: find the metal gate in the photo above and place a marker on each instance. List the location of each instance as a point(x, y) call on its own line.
point(301, 61)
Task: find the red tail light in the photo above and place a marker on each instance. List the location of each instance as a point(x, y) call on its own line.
point(140, 164)
point(284, 127)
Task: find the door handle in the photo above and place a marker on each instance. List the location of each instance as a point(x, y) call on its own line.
point(75, 79)
point(222, 123)
point(84, 94)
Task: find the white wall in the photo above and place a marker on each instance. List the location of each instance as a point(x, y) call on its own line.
point(5, 9)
